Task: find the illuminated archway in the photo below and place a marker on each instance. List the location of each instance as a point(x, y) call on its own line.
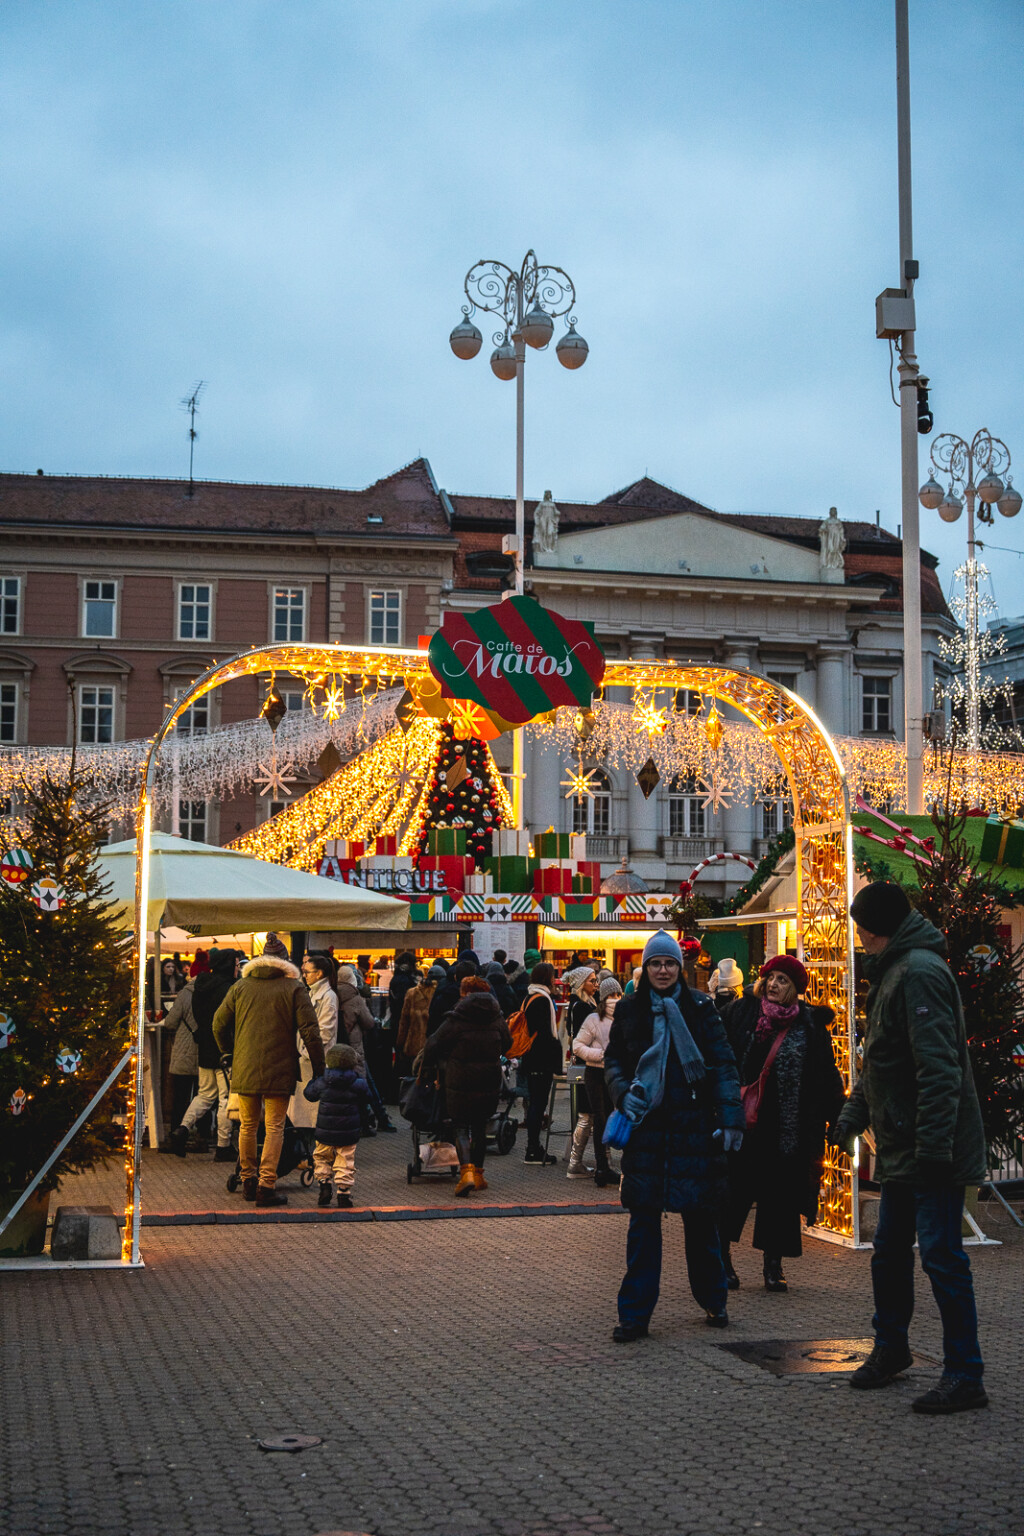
point(824, 867)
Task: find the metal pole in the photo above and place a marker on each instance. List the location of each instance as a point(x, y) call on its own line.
point(971, 617)
point(913, 684)
point(517, 736)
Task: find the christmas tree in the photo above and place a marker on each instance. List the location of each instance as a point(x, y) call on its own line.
point(461, 793)
point(64, 987)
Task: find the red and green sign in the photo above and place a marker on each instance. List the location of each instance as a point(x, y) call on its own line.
point(517, 659)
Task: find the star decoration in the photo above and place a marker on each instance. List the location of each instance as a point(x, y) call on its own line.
point(579, 784)
point(334, 703)
point(651, 719)
point(717, 798)
point(275, 780)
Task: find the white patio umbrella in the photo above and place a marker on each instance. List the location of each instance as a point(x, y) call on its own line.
point(210, 890)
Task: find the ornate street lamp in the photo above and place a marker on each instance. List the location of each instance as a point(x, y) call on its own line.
point(988, 458)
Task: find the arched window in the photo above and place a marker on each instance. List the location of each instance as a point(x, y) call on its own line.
point(685, 810)
point(593, 813)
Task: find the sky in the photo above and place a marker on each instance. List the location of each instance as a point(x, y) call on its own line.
point(283, 201)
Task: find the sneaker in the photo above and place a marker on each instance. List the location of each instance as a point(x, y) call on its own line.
point(326, 1194)
point(538, 1158)
point(605, 1177)
point(952, 1395)
point(225, 1155)
point(266, 1195)
point(344, 1200)
point(628, 1333)
point(883, 1365)
point(717, 1319)
point(249, 1188)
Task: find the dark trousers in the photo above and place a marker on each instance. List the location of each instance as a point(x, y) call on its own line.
point(380, 1114)
point(471, 1141)
point(538, 1088)
point(183, 1089)
point(638, 1294)
point(775, 1188)
point(600, 1109)
point(935, 1213)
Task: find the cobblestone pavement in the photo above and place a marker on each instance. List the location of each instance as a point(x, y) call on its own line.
point(463, 1380)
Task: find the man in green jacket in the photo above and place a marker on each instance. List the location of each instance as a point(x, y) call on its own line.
point(257, 1025)
point(916, 1092)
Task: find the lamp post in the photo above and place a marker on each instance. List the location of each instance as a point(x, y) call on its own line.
point(977, 473)
point(527, 303)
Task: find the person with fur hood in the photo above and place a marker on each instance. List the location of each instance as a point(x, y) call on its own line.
point(470, 1044)
point(256, 1025)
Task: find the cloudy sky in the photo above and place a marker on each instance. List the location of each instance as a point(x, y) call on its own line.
point(283, 199)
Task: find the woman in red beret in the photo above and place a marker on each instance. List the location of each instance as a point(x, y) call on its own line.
point(782, 1043)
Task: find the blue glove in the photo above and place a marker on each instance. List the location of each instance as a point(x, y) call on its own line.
point(618, 1130)
point(732, 1140)
point(634, 1105)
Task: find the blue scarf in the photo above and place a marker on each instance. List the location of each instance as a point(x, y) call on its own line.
point(648, 1086)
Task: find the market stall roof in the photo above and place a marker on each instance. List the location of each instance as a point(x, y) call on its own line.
point(905, 869)
point(210, 890)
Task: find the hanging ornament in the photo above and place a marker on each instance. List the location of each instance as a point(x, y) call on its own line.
point(583, 722)
point(457, 773)
point(329, 760)
point(647, 717)
point(8, 1030)
point(49, 895)
point(69, 1061)
point(15, 865)
point(405, 711)
point(983, 956)
point(17, 1101)
point(581, 784)
point(274, 708)
point(275, 780)
point(648, 778)
point(713, 728)
point(718, 797)
point(334, 706)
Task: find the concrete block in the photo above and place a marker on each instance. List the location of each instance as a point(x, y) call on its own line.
point(85, 1232)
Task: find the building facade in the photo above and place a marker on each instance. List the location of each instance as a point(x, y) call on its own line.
point(115, 594)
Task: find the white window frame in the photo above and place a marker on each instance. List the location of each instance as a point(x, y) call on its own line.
point(190, 818)
point(97, 703)
point(194, 587)
point(385, 612)
point(101, 582)
point(875, 729)
point(290, 588)
point(686, 804)
point(594, 813)
point(10, 698)
point(186, 727)
point(7, 595)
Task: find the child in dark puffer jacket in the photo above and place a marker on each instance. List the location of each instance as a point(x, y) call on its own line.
point(343, 1096)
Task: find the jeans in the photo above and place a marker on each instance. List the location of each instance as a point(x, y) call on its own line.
point(935, 1212)
point(213, 1094)
point(339, 1162)
point(471, 1141)
point(538, 1086)
point(275, 1111)
point(638, 1294)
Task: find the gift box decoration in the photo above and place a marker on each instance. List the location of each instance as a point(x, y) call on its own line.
point(553, 882)
point(479, 885)
point(582, 885)
point(386, 845)
point(446, 840)
point(1002, 842)
point(511, 873)
point(579, 911)
point(510, 842)
point(591, 868)
point(578, 846)
point(552, 845)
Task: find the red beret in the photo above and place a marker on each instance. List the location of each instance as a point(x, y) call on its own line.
point(790, 966)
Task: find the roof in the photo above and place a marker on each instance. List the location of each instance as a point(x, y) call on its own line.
point(904, 868)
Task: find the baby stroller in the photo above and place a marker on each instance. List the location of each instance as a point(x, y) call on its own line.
point(433, 1137)
point(295, 1153)
point(502, 1127)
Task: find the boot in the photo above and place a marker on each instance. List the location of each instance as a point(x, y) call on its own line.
point(467, 1183)
point(580, 1138)
point(249, 1188)
point(326, 1192)
point(479, 1182)
point(178, 1141)
point(732, 1279)
point(267, 1195)
point(225, 1155)
point(344, 1200)
point(774, 1279)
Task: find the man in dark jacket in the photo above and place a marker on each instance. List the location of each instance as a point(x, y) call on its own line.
point(209, 990)
point(916, 1092)
point(256, 1024)
point(494, 975)
point(671, 1075)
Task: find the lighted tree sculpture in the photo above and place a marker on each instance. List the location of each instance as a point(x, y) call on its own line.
point(461, 793)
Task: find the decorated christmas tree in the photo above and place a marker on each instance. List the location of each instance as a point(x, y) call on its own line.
point(461, 793)
point(64, 987)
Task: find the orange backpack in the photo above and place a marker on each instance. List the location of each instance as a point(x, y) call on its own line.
point(520, 1032)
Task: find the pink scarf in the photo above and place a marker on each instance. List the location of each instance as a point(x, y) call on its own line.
point(774, 1016)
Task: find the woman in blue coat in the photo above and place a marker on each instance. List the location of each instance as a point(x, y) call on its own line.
point(672, 1078)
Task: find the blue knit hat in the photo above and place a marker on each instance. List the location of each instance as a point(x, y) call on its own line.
point(663, 946)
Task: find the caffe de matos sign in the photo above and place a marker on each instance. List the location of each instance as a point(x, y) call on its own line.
point(516, 659)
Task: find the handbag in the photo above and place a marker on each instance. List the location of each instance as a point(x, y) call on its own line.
point(422, 1104)
point(750, 1093)
point(575, 1072)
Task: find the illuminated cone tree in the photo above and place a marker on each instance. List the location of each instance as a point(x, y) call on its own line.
point(461, 793)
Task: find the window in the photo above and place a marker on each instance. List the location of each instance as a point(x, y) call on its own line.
point(196, 719)
point(10, 605)
point(688, 701)
point(99, 610)
point(784, 679)
point(295, 699)
point(385, 618)
point(95, 714)
point(193, 612)
point(289, 618)
point(775, 811)
point(8, 713)
point(877, 704)
point(192, 820)
point(594, 812)
point(685, 810)
point(273, 807)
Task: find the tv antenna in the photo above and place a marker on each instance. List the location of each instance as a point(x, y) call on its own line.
point(191, 404)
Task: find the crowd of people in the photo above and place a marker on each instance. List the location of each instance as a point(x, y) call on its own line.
point(718, 1103)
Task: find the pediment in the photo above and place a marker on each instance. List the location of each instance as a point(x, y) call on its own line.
point(683, 544)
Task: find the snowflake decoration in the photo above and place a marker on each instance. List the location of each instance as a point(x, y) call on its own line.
point(718, 799)
point(581, 784)
point(275, 780)
point(334, 703)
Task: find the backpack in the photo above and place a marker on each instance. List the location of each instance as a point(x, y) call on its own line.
point(519, 1029)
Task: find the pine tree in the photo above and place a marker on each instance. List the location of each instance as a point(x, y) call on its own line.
point(470, 801)
point(65, 987)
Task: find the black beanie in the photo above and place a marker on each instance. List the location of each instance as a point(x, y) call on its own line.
point(880, 908)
